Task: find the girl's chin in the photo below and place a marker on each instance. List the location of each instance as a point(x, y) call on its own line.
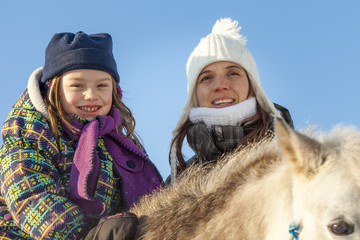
point(89, 118)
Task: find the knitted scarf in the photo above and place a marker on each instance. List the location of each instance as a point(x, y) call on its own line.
point(229, 116)
point(86, 164)
point(216, 131)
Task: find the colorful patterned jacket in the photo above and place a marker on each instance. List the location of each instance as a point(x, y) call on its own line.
point(35, 172)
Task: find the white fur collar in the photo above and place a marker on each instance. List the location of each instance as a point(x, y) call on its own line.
point(35, 93)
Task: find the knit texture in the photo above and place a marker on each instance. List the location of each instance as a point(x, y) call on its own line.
point(228, 116)
point(69, 51)
point(129, 161)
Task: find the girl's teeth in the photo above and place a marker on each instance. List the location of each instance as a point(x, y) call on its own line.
point(90, 109)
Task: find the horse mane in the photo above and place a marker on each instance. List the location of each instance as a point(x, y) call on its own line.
point(231, 194)
point(203, 185)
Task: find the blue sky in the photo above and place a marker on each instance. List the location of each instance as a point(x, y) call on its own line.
point(307, 53)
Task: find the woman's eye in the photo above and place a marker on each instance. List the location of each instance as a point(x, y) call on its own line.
point(234, 74)
point(75, 85)
point(206, 78)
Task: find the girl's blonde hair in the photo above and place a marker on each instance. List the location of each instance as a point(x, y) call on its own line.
point(57, 113)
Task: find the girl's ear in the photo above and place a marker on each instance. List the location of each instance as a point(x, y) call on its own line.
point(59, 79)
point(119, 90)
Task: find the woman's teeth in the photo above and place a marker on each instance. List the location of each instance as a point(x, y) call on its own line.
point(223, 101)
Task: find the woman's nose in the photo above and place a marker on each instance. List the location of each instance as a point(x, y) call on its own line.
point(221, 83)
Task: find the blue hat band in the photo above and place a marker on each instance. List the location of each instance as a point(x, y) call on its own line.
point(82, 58)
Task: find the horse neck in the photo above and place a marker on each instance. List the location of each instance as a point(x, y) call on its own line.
point(269, 202)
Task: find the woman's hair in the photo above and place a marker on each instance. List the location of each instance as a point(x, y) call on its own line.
point(56, 112)
point(261, 121)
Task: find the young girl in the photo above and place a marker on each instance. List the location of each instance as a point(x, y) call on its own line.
point(226, 106)
point(70, 155)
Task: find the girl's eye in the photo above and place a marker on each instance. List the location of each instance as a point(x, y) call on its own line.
point(102, 85)
point(75, 85)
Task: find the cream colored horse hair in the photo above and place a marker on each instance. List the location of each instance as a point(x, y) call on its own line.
point(258, 192)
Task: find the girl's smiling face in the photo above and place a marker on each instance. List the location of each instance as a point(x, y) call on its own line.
point(222, 84)
point(86, 93)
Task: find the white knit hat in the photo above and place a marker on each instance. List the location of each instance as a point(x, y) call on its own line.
point(224, 43)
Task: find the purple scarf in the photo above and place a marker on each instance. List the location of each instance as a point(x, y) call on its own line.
point(139, 175)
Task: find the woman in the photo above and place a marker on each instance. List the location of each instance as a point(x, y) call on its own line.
point(226, 106)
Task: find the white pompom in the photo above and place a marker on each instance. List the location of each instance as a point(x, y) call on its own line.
point(229, 27)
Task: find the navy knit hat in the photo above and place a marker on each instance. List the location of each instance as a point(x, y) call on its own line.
point(69, 51)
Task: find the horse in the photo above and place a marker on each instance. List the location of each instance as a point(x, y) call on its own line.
point(294, 185)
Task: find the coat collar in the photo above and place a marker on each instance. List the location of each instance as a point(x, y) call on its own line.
point(35, 93)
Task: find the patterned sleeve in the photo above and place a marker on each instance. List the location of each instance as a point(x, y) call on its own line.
point(30, 182)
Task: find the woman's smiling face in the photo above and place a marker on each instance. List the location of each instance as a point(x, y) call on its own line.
point(86, 93)
point(222, 84)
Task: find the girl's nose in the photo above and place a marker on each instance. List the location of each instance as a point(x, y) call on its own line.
point(90, 94)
